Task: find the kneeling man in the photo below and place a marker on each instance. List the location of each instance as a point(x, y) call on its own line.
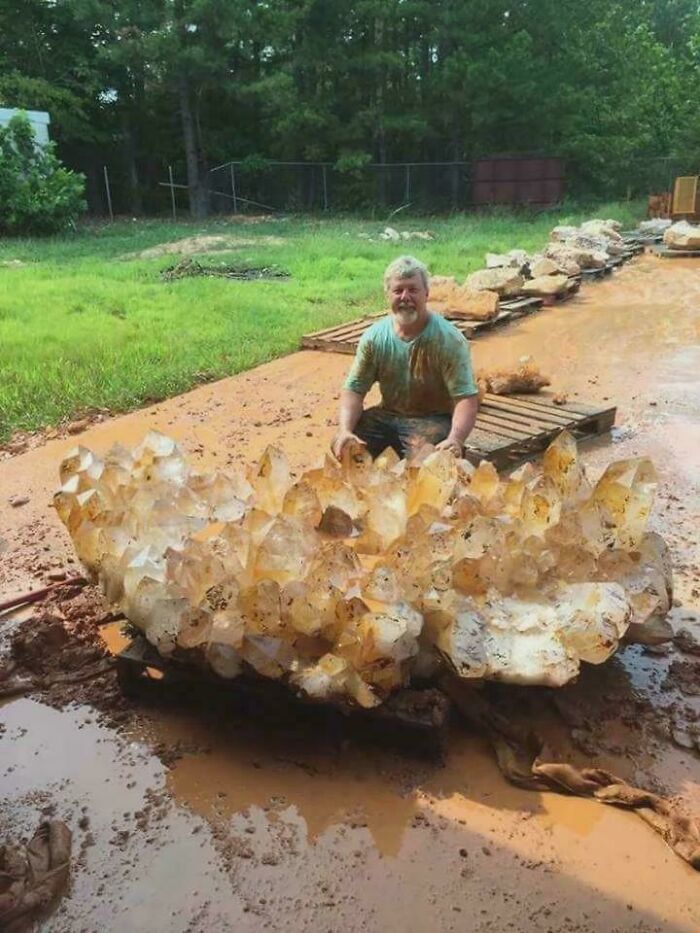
point(423, 366)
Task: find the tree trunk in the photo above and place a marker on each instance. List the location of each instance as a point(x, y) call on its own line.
point(199, 206)
point(456, 157)
point(380, 135)
point(132, 172)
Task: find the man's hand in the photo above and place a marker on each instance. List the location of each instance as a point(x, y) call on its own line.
point(341, 440)
point(452, 444)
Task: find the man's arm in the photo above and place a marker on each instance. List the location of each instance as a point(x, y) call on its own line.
point(360, 379)
point(463, 418)
point(349, 413)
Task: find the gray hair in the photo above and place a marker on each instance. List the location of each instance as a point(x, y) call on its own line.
point(404, 268)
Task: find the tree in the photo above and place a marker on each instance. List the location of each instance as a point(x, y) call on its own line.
point(37, 194)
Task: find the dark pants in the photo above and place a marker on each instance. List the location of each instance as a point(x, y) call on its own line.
point(380, 429)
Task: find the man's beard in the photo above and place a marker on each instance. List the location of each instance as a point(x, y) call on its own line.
point(406, 315)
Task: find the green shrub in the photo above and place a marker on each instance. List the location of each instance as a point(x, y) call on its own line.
point(37, 194)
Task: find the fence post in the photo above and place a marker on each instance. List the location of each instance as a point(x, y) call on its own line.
point(109, 195)
point(172, 192)
point(325, 188)
point(233, 189)
point(407, 191)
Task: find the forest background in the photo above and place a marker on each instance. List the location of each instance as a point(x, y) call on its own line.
point(610, 87)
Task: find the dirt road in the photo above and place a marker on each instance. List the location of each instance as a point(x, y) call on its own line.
point(189, 821)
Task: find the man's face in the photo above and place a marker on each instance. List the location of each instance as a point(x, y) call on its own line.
point(408, 298)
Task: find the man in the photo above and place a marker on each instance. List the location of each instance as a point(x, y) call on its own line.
point(423, 366)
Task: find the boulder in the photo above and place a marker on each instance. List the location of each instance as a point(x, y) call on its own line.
point(505, 282)
point(602, 228)
point(514, 259)
point(497, 260)
point(541, 265)
point(518, 257)
point(655, 226)
point(459, 301)
point(564, 255)
point(562, 233)
point(588, 242)
point(526, 377)
point(597, 235)
point(441, 287)
point(546, 285)
point(683, 235)
point(470, 304)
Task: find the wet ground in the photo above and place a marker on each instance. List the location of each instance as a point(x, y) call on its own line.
point(186, 820)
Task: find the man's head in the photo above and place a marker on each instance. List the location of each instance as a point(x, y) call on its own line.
point(406, 284)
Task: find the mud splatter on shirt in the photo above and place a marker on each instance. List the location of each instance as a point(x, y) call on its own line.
point(423, 376)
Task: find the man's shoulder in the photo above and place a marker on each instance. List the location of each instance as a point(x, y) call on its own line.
point(377, 331)
point(446, 331)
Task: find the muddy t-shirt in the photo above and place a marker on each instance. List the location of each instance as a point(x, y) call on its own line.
point(423, 376)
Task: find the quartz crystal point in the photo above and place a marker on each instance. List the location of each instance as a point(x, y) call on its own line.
point(354, 577)
point(434, 482)
point(270, 479)
point(623, 497)
point(560, 464)
point(302, 502)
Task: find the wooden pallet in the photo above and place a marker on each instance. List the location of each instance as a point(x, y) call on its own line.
point(573, 285)
point(666, 253)
point(591, 274)
point(513, 428)
point(634, 239)
point(344, 338)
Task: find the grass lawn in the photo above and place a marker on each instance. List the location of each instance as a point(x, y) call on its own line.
point(81, 327)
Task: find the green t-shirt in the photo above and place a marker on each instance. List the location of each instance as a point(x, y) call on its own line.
point(423, 376)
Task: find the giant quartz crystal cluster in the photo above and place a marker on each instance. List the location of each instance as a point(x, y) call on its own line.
point(358, 576)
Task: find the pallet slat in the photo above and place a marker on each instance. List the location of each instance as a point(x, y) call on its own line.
point(497, 426)
point(524, 421)
point(534, 416)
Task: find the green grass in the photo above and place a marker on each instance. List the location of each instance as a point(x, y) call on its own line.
point(79, 327)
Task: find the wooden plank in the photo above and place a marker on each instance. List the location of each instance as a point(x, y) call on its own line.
point(517, 404)
point(525, 305)
point(344, 330)
point(520, 418)
point(543, 420)
point(356, 330)
point(485, 441)
point(677, 253)
point(576, 410)
point(532, 422)
point(370, 318)
point(329, 346)
point(502, 426)
point(533, 407)
point(596, 273)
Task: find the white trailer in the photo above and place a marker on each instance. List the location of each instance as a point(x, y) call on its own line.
point(39, 120)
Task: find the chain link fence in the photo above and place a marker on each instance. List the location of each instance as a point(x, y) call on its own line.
point(268, 186)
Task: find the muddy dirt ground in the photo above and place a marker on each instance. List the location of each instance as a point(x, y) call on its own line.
point(194, 816)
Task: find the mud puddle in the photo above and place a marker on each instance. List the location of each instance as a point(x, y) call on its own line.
point(240, 836)
point(206, 821)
